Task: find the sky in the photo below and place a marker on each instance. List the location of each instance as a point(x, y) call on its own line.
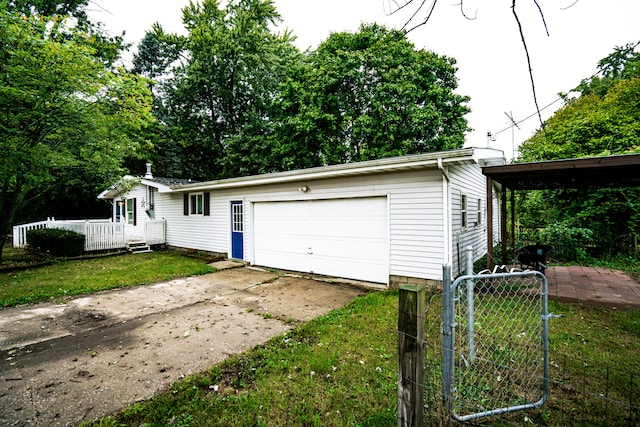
point(491, 60)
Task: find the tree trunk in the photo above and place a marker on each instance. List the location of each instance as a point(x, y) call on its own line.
point(10, 202)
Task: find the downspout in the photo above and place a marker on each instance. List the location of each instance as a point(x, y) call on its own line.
point(446, 212)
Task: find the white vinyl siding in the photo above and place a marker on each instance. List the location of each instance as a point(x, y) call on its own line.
point(416, 232)
point(467, 181)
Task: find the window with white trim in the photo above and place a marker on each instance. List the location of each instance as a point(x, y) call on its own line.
point(237, 218)
point(151, 198)
point(479, 212)
point(131, 211)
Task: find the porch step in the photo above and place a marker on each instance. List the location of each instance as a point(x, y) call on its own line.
point(138, 247)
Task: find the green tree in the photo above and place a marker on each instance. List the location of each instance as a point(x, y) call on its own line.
point(73, 8)
point(63, 108)
point(217, 100)
point(603, 120)
point(369, 95)
point(622, 64)
point(157, 53)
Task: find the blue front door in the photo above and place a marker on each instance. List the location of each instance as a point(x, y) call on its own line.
point(237, 228)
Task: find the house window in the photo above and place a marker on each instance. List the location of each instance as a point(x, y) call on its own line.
point(463, 210)
point(131, 211)
point(479, 222)
point(196, 204)
point(237, 220)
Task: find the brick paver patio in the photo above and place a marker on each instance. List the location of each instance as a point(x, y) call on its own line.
point(593, 286)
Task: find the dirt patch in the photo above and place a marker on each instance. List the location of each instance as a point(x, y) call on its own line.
point(63, 364)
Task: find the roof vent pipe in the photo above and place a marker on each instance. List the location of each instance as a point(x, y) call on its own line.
point(148, 175)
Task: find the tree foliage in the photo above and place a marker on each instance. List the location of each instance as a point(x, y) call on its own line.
point(368, 95)
point(240, 99)
point(622, 64)
point(217, 86)
point(603, 120)
point(63, 108)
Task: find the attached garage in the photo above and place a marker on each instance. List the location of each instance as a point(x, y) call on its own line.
point(336, 237)
point(393, 221)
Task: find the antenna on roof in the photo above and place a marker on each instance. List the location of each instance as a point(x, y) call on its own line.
point(513, 143)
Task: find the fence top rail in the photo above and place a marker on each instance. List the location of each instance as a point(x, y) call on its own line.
point(32, 224)
point(498, 276)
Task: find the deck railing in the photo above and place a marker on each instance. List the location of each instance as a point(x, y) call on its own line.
point(100, 234)
point(103, 236)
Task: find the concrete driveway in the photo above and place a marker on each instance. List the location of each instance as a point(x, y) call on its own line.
point(67, 363)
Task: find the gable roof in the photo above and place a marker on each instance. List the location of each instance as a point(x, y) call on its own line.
point(434, 160)
point(481, 156)
point(162, 184)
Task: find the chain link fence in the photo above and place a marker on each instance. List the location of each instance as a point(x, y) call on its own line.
point(498, 360)
point(495, 362)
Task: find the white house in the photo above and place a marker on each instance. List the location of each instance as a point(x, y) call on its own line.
point(390, 221)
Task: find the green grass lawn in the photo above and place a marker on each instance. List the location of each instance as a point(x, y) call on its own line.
point(64, 279)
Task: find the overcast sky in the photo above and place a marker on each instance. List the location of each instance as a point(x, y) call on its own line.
point(491, 61)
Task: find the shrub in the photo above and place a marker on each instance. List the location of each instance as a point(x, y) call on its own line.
point(56, 242)
point(571, 243)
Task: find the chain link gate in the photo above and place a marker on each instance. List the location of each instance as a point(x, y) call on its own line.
point(495, 344)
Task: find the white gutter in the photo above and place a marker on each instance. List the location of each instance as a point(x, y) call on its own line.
point(446, 212)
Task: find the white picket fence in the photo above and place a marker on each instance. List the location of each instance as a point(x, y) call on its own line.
point(100, 234)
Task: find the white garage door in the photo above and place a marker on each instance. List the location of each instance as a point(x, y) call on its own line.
point(338, 237)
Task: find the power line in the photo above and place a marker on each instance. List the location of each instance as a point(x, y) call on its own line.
point(556, 100)
point(528, 117)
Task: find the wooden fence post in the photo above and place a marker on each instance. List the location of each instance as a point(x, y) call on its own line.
point(411, 356)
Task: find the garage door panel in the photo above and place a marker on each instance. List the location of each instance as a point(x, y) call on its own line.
point(345, 237)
